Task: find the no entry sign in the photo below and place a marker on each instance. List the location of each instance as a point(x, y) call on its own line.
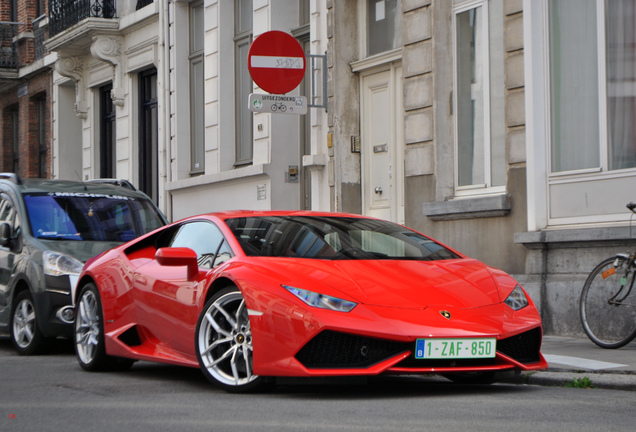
point(276, 62)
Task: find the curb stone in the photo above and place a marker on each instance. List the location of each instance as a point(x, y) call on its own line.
point(607, 381)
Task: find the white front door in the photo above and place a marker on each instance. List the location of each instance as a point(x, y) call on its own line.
point(381, 143)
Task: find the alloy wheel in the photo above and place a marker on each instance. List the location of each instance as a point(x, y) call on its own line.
point(87, 327)
point(24, 326)
point(224, 341)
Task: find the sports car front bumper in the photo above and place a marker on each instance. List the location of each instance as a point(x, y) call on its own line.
point(371, 340)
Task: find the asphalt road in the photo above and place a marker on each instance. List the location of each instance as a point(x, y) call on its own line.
point(51, 393)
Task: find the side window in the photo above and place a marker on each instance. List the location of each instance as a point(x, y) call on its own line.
point(206, 240)
point(4, 210)
point(8, 215)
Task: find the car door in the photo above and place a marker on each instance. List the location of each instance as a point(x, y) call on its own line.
point(8, 250)
point(166, 299)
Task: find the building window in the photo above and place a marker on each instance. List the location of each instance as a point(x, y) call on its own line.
point(243, 85)
point(480, 99)
point(148, 134)
point(39, 8)
point(143, 3)
point(197, 80)
point(13, 11)
point(384, 25)
point(592, 75)
point(15, 139)
point(107, 138)
point(304, 13)
point(43, 150)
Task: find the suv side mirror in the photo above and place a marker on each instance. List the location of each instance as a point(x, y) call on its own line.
point(5, 234)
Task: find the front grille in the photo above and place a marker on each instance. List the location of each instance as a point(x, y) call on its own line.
point(330, 349)
point(523, 347)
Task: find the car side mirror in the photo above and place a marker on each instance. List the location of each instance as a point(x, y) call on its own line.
point(5, 234)
point(179, 256)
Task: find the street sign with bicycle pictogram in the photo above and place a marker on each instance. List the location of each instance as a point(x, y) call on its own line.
point(276, 62)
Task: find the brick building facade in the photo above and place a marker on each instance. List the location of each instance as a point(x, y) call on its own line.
point(25, 89)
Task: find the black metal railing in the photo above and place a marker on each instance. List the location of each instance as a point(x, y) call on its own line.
point(39, 32)
point(143, 3)
point(8, 49)
point(66, 13)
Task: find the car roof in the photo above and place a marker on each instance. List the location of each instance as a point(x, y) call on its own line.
point(106, 187)
point(229, 214)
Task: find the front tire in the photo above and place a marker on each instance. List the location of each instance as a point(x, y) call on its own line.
point(223, 342)
point(607, 320)
point(89, 334)
point(26, 336)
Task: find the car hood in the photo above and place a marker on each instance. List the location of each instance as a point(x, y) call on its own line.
point(81, 250)
point(462, 283)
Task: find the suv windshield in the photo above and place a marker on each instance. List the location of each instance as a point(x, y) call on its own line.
point(88, 216)
point(333, 238)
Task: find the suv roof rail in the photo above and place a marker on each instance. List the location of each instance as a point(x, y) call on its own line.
point(116, 182)
point(11, 176)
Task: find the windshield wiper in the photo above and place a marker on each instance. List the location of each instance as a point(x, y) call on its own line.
point(44, 237)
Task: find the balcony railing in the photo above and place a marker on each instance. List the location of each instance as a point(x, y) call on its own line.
point(8, 50)
point(39, 33)
point(65, 13)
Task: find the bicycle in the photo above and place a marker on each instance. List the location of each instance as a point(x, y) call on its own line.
point(608, 318)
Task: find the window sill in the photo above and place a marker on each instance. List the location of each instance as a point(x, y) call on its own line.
point(468, 208)
point(607, 236)
point(209, 179)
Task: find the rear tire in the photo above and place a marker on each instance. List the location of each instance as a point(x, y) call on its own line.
point(26, 336)
point(89, 334)
point(608, 323)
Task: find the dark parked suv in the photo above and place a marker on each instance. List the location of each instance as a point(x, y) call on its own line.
point(48, 230)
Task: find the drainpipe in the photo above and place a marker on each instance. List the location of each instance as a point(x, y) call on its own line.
point(164, 42)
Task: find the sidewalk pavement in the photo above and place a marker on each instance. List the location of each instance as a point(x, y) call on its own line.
point(576, 358)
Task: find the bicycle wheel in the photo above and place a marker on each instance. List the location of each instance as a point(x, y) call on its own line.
point(608, 311)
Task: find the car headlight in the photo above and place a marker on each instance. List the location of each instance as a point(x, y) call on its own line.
point(58, 264)
point(321, 301)
point(517, 299)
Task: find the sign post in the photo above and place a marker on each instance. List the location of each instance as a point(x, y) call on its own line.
point(276, 62)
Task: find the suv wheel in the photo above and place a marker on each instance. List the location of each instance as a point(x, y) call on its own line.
point(25, 333)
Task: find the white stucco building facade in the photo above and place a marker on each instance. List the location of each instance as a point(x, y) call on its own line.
point(460, 118)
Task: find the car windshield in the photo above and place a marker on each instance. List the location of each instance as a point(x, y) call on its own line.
point(89, 216)
point(334, 238)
